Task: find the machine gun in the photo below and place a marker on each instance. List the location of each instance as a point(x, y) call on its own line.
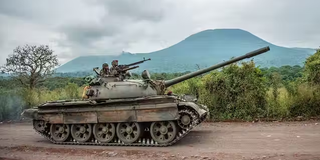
point(124, 70)
point(123, 67)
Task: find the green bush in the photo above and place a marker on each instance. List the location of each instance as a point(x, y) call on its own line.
point(277, 98)
point(312, 68)
point(306, 102)
point(237, 92)
point(72, 91)
point(278, 103)
point(234, 93)
point(306, 97)
point(190, 86)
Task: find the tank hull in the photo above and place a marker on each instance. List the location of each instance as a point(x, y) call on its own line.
point(174, 116)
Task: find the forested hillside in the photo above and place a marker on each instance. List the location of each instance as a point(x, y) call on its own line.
point(201, 49)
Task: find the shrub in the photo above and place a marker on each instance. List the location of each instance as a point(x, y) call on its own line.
point(312, 68)
point(190, 86)
point(235, 92)
point(307, 101)
point(72, 91)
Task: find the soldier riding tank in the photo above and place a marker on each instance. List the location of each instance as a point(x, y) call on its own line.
point(117, 111)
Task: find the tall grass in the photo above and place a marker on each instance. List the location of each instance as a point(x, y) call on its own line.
point(278, 107)
point(306, 102)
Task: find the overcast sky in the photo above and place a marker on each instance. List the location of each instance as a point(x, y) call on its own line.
point(85, 27)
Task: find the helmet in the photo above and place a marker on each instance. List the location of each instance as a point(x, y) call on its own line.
point(105, 65)
point(115, 62)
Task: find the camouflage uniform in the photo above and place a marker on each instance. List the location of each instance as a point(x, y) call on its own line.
point(114, 69)
point(105, 70)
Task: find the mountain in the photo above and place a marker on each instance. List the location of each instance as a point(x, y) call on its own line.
point(205, 48)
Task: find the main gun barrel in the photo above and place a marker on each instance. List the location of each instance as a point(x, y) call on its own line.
point(196, 73)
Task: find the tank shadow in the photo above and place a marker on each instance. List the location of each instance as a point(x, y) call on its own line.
point(196, 137)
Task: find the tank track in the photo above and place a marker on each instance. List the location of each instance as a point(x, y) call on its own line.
point(143, 142)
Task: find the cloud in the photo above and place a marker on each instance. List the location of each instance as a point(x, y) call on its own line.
point(150, 10)
point(78, 27)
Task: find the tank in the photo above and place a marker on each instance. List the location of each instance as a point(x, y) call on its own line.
point(118, 111)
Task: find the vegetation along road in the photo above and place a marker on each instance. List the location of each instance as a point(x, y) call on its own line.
point(262, 140)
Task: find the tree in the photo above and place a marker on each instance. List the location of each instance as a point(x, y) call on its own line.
point(31, 64)
point(312, 68)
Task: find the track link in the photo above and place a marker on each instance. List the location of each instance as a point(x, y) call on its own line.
point(142, 142)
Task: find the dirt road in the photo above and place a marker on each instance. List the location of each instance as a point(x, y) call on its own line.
point(272, 140)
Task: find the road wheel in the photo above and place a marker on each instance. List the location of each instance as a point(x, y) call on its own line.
point(163, 132)
point(60, 132)
point(129, 132)
point(104, 132)
point(81, 132)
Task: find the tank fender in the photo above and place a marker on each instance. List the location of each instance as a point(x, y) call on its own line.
point(201, 110)
point(30, 113)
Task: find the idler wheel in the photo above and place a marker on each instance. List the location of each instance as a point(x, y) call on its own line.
point(81, 132)
point(129, 132)
point(186, 119)
point(60, 132)
point(163, 132)
point(104, 132)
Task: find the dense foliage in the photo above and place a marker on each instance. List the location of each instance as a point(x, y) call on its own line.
point(238, 91)
point(312, 68)
point(307, 89)
point(247, 92)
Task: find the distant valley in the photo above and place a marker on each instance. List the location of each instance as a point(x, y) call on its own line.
point(205, 48)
